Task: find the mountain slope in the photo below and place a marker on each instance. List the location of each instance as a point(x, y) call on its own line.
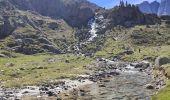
point(164, 8)
point(150, 8)
point(74, 12)
point(145, 7)
point(28, 32)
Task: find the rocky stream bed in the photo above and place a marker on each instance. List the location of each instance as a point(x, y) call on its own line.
point(106, 80)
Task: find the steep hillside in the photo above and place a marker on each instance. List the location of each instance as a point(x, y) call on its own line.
point(29, 32)
point(74, 12)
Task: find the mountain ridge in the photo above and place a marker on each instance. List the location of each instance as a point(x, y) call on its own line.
point(74, 12)
point(155, 7)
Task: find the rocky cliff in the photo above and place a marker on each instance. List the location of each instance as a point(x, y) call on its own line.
point(129, 16)
point(74, 12)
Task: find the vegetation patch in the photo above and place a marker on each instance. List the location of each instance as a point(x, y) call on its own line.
point(163, 94)
point(33, 69)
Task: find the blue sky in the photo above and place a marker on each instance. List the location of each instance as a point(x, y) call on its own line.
point(111, 3)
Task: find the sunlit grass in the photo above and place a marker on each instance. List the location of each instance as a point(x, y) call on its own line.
point(33, 69)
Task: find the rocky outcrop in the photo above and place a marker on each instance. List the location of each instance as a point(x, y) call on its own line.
point(75, 12)
point(27, 31)
point(7, 27)
point(129, 16)
point(164, 8)
point(161, 61)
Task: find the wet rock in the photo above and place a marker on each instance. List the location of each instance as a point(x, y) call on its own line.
point(149, 86)
point(50, 93)
point(161, 61)
point(143, 65)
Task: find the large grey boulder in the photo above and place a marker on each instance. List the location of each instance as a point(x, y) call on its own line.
point(161, 60)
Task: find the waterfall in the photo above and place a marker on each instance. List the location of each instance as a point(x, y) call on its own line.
point(94, 28)
point(93, 25)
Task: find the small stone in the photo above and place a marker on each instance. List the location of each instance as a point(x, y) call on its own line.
point(102, 85)
point(9, 65)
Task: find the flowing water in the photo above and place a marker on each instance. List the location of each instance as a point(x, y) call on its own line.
point(93, 25)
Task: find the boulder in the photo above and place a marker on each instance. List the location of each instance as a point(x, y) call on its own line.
point(2, 55)
point(53, 26)
point(161, 61)
point(149, 86)
point(143, 65)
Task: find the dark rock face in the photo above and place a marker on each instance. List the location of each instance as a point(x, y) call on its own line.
point(33, 44)
point(154, 7)
point(75, 12)
point(130, 16)
point(145, 7)
point(150, 8)
point(7, 27)
point(164, 8)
